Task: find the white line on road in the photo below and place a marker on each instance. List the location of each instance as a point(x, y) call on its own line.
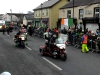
point(52, 63)
point(28, 48)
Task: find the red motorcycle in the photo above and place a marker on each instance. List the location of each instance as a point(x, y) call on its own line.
point(58, 51)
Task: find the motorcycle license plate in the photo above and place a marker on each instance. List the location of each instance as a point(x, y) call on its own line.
point(54, 53)
point(22, 38)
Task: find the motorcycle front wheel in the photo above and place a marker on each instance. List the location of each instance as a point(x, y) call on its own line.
point(23, 44)
point(64, 57)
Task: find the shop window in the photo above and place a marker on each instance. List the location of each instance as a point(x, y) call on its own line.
point(81, 12)
point(69, 14)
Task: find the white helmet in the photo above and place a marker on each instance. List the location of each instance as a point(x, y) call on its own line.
point(5, 73)
point(54, 36)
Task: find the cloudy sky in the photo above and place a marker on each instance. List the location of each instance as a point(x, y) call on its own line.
point(17, 6)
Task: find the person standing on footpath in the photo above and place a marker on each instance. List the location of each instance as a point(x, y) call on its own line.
point(8, 29)
point(84, 43)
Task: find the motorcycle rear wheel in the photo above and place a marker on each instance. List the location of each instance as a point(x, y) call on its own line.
point(42, 52)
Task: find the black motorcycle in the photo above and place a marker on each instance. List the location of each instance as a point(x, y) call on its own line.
point(20, 41)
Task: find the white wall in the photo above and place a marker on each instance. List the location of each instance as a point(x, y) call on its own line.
point(8, 18)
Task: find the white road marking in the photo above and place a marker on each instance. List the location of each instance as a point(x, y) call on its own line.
point(52, 63)
point(28, 48)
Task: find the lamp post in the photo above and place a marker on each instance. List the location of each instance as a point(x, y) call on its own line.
point(74, 21)
point(41, 13)
point(11, 14)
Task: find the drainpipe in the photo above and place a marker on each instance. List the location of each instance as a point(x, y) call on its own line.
point(99, 16)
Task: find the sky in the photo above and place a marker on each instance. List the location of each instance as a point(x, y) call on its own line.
point(18, 6)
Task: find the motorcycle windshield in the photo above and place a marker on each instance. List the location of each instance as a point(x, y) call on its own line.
point(22, 35)
point(60, 41)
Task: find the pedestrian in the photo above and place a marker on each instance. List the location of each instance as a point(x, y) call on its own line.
point(98, 43)
point(8, 30)
point(3, 28)
point(30, 30)
point(84, 43)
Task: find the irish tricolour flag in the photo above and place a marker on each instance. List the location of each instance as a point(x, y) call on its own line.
point(67, 22)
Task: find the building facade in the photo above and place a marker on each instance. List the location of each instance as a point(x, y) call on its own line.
point(87, 12)
point(28, 19)
point(48, 13)
point(81, 9)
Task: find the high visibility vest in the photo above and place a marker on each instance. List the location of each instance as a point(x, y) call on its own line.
point(85, 39)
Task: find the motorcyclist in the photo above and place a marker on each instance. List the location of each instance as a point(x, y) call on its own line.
point(17, 37)
point(47, 39)
point(52, 43)
point(23, 30)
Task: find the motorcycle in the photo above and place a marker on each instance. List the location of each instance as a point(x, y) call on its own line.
point(58, 52)
point(20, 41)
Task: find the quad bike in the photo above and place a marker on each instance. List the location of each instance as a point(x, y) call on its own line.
point(58, 51)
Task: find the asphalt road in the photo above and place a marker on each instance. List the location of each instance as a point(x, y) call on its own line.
point(28, 61)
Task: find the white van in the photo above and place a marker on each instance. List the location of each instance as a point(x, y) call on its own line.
point(1, 23)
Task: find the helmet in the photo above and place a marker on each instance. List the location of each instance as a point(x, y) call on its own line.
point(22, 27)
point(5, 73)
point(54, 36)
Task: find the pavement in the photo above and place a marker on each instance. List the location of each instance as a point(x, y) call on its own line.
point(28, 61)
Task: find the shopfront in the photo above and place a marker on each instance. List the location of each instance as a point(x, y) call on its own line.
point(45, 21)
point(91, 23)
point(37, 22)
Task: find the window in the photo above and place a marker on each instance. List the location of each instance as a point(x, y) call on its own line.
point(81, 12)
point(69, 14)
point(46, 12)
point(42, 12)
point(35, 13)
point(96, 12)
point(38, 13)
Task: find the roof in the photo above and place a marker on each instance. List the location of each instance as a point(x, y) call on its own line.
point(47, 4)
point(29, 17)
point(80, 3)
point(17, 14)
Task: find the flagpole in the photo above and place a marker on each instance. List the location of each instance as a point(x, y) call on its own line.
point(73, 13)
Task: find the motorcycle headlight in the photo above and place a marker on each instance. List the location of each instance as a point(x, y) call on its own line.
point(22, 38)
point(26, 33)
point(62, 47)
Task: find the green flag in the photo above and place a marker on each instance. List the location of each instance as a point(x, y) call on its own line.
point(70, 22)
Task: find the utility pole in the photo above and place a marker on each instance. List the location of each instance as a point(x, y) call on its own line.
point(11, 14)
point(41, 14)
